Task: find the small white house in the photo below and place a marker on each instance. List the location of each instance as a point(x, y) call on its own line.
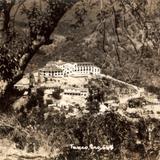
point(22, 84)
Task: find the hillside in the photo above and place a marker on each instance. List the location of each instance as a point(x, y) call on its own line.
point(68, 113)
point(133, 57)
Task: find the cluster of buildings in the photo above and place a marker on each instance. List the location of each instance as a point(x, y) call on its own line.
point(72, 78)
point(66, 75)
point(63, 69)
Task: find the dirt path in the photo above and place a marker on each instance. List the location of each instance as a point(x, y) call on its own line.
point(126, 98)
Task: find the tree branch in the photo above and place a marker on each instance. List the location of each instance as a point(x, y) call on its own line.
point(40, 29)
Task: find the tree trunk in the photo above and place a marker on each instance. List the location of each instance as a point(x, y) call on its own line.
point(2, 31)
point(26, 52)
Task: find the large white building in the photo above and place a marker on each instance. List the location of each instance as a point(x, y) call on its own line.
point(62, 69)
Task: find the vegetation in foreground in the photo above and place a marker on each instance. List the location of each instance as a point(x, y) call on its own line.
point(36, 126)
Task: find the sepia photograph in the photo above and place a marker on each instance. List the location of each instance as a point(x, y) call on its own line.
point(79, 80)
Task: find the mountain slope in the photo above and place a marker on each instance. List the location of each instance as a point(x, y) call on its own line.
point(130, 49)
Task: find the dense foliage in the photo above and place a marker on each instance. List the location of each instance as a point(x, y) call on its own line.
point(129, 139)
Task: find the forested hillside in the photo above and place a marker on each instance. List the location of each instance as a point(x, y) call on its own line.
point(121, 37)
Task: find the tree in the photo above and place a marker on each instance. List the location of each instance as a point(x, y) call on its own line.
point(17, 48)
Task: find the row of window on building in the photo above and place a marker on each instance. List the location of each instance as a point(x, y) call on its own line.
point(59, 73)
point(75, 94)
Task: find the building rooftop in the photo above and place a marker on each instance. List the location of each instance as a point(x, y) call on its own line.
point(74, 88)
point(60, 62)
point(85, 63)
point(51, 68)
point(23, 81)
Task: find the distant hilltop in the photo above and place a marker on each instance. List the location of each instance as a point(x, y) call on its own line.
point(63, 69)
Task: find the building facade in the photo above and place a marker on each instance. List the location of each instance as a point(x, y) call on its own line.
point(76, 92)
point(63, 69)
